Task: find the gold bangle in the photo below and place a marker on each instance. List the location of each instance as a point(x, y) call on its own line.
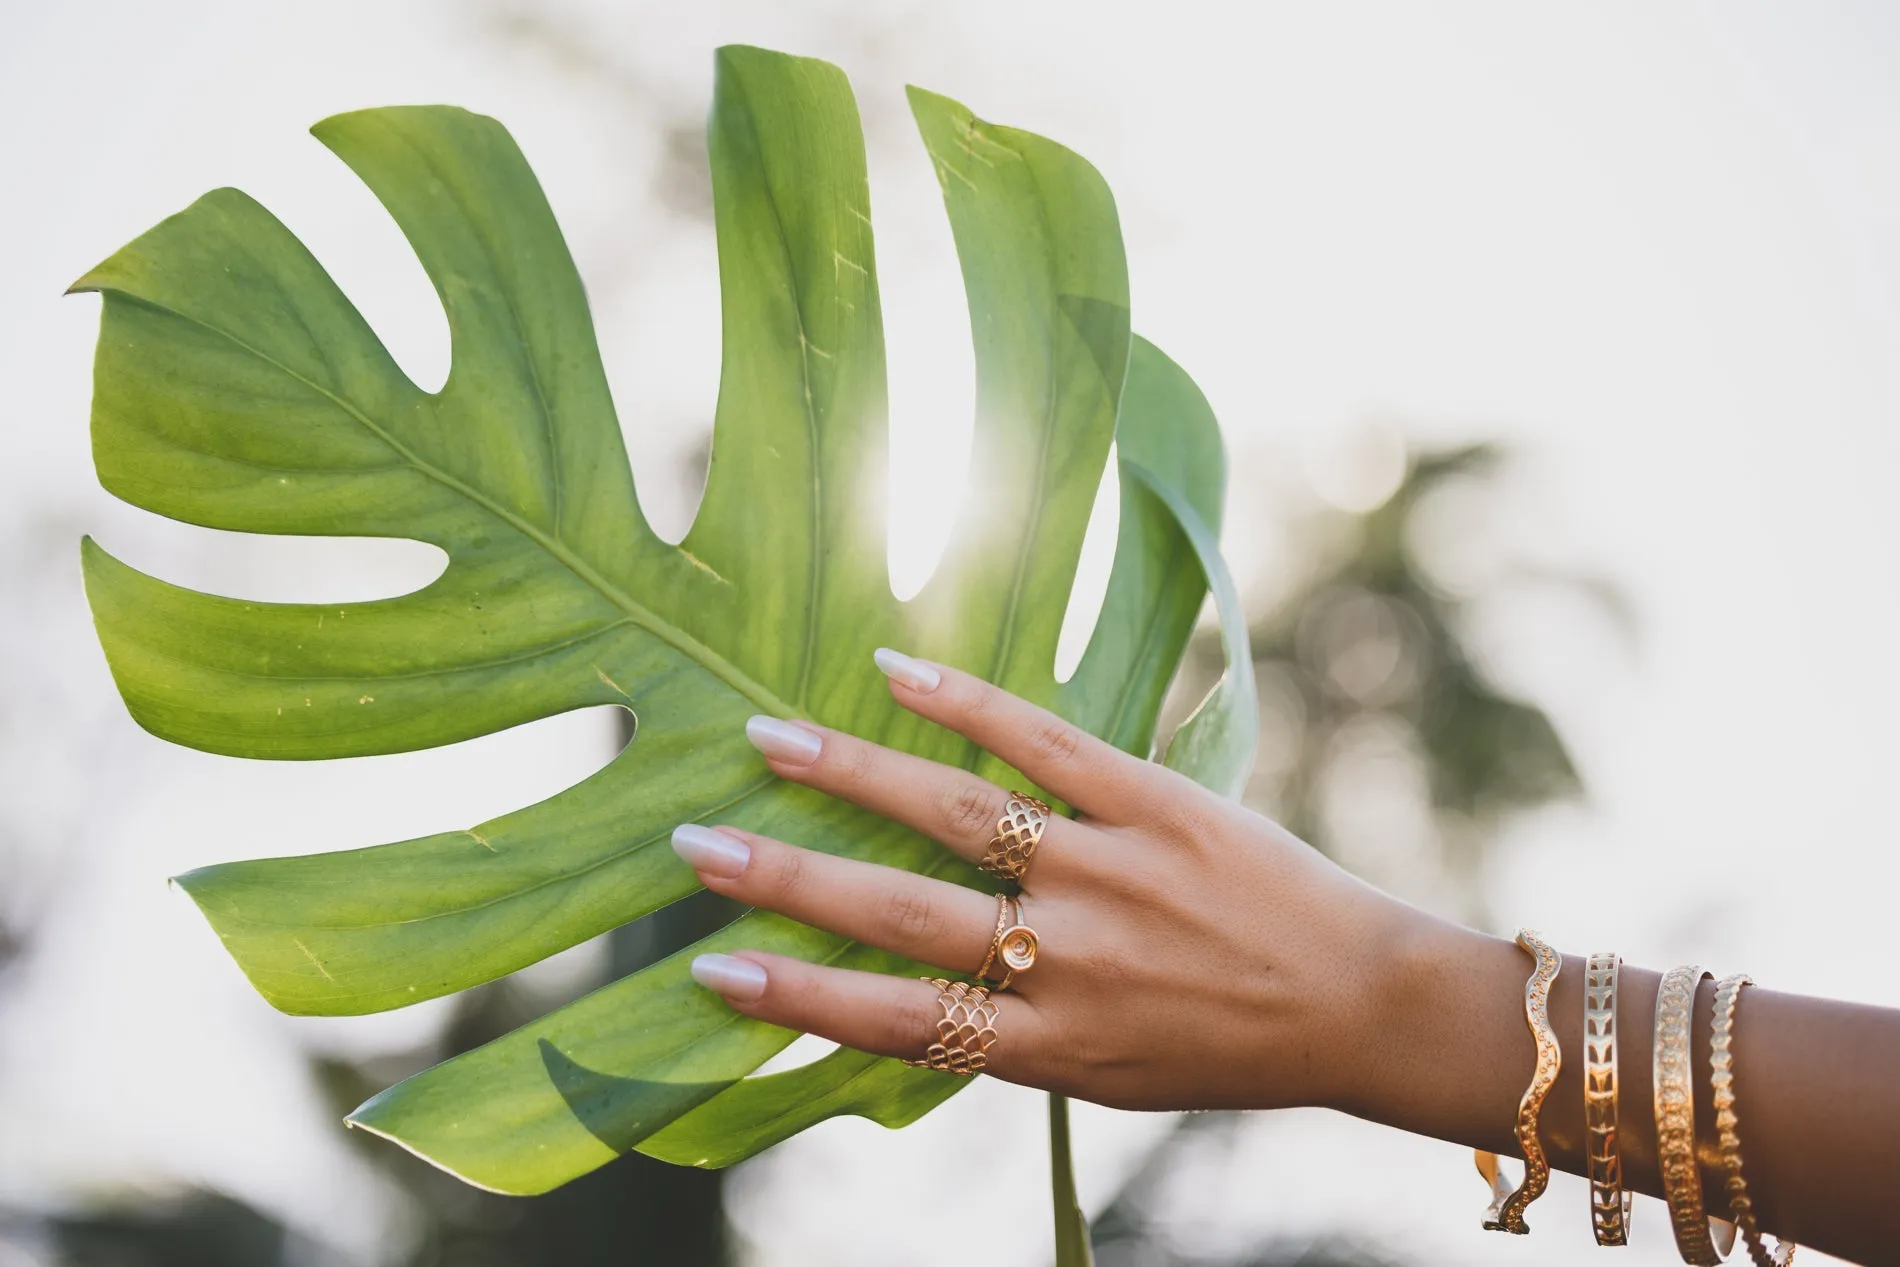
point(1609, 1199)
point(1507, 1213)
point(1699, 1237)
point(1722, 1078)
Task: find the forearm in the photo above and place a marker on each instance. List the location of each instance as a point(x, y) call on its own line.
point(1817, 1099)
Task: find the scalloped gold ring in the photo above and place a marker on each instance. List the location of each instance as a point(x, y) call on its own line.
point(1018, 834)
point(965, 1032)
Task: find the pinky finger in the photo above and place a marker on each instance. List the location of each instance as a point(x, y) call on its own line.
point(868, 1011)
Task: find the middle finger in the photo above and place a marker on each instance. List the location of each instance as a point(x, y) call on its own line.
point(908, 914)
point(949, 805)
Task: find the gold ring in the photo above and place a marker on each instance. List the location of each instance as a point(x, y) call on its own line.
point(1014, 942)
point(965, 1032)
point(996, 937)
point(1018, 832)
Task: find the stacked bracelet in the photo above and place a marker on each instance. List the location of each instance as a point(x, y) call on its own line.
point(1609, 1199)
point(1722, 1077)
point(1701, 1240)
point(1507, 1212)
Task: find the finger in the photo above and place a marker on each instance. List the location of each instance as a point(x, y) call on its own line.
point(1096, 777)
point(867, 1011)
point(911, 915)
point(949, 805)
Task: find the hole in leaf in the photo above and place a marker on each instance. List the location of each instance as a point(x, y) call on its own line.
point(365, 253)
point(806, 1049)
point(274, 569)
point(932, 362)
point(1092, 572)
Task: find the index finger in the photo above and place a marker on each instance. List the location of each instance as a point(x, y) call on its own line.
point(1096, 777)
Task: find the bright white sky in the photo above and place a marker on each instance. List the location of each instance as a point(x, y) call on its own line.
point(1656, 249)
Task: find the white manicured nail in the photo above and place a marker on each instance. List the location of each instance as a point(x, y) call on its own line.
point(782, 741)
point(711, 851)
point(730, 976)
point(900, 668)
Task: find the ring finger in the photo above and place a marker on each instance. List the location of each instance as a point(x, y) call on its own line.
point(868, 1011)
point(912, 915)
point(949, 805)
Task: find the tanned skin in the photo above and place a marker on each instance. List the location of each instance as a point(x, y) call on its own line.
point(1197, 955)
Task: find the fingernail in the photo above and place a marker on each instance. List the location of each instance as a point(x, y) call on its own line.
point(738, 979)
point(713, 852)
point(900, 668)
point(782, 741)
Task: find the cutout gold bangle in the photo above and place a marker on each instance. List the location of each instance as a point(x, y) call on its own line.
point(1507, 1208)
point(1701, 1240)
point(1609, 1199)
point(1722, 1078)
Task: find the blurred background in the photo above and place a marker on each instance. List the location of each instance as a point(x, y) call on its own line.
point(1553, 352)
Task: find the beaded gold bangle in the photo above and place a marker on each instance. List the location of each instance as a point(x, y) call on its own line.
point(1722, 1078)
point(1609, 1199)
point(1507, 1212)
point(1696, 1232)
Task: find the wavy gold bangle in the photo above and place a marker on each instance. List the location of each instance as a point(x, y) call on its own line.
point(1609, 1199)
point(1507, 1213)
point(1722, 1078)
point(1696, 1232)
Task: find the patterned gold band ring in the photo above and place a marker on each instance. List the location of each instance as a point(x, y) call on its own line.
point(965, 1032)
point(1018, 834)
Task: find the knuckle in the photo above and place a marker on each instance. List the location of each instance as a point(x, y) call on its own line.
point(1188, 820)
point(791, 874)
point(1054, 742)
point(912, 1024)
point(976, 700)
point(969, 808)
point(855, 763)
point(910, 917)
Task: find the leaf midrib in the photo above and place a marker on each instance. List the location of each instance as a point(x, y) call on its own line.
point(815, 581)
point(665, 630)
point(1045, 438)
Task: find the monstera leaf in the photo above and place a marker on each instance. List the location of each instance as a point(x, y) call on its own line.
point(236, 387)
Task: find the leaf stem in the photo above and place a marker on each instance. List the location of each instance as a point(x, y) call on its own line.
point(1072, 1229)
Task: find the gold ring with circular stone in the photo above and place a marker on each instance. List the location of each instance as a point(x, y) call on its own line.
point(1016, 947)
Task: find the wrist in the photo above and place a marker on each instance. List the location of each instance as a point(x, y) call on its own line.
point(1402, 961)
point(1446, 1033)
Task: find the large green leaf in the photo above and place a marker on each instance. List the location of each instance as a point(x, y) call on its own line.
point(236, 387)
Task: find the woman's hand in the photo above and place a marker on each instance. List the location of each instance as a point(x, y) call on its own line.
point(1193, 954)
